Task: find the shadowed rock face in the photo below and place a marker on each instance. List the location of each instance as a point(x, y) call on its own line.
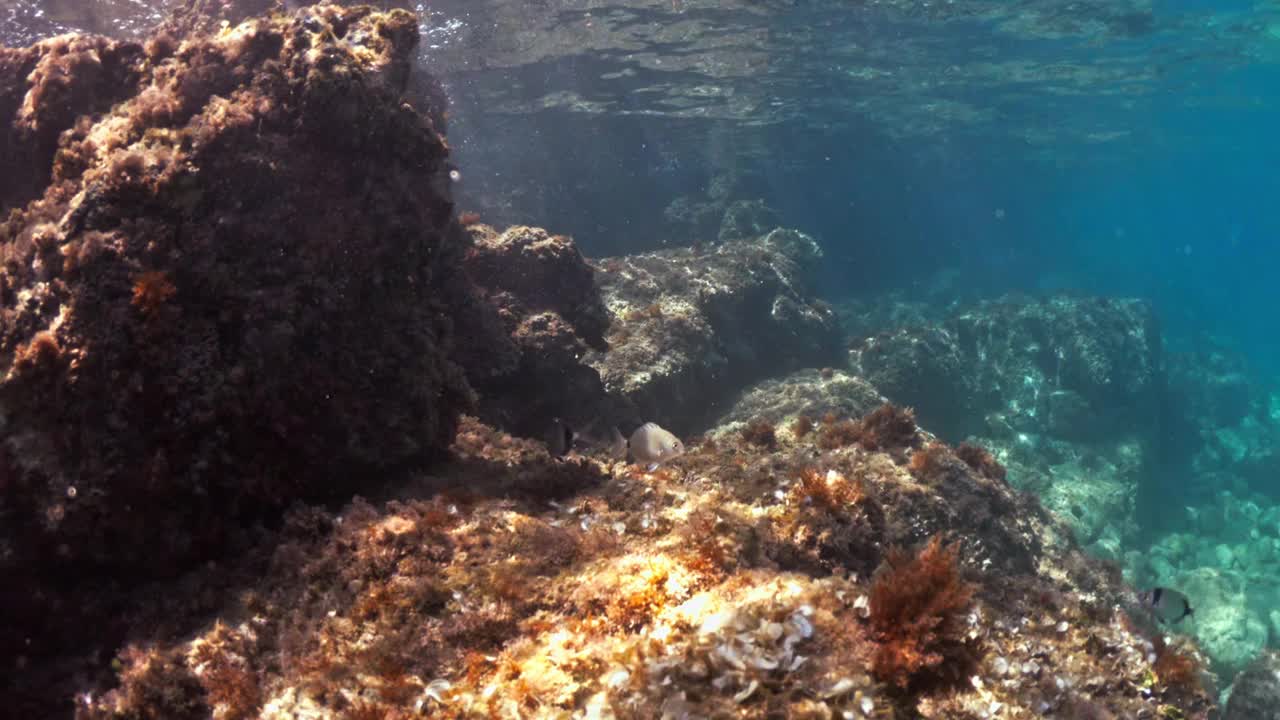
point(693, 327)
point(231, 294)
point(544, 296)
point(1256, 692)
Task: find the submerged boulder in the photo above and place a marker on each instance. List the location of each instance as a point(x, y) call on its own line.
point(1255, 695)
point(544, 296)
point(230, 294)
point(691, 327)
point(809, 393)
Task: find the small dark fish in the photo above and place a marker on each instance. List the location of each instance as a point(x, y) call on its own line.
point(1169, 606)
point(560, 438)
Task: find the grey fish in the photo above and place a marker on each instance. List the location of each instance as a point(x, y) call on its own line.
point(649, 444)
point(1169, 606)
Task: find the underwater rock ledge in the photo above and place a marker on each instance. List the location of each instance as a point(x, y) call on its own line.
point(693, 326)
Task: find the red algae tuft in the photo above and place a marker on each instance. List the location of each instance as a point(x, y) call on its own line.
point(151, 290)
point(918, 608)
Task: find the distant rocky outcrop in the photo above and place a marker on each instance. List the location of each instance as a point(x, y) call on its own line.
point(1075, 368)
point(1067, 390)
point(692, 327)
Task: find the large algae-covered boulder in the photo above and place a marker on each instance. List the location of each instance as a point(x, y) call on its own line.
point(691, 326)
point(228, 296)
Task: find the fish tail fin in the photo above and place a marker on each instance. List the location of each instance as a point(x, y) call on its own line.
point(617, 443)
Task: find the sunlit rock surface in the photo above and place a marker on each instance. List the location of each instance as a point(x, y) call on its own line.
point(692, 327)
point(735, 581)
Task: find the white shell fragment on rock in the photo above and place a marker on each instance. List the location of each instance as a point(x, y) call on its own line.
point(746, 692)
point(842, 687)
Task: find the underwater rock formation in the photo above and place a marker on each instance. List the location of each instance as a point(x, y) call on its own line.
point(1072, 367)
point(731, 208)
point(810, 393)
point(1221, 425)
point(691, 326)
point(543, 292)
point(747, 219)
point(739, 581)
point(1065, 389)
point(1255, 695)
point(43, 90)
point(230, 296)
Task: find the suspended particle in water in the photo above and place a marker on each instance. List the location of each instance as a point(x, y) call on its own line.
point(999, 213)
point(71, 492)
point(454, 175)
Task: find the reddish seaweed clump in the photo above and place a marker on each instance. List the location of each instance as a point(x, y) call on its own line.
point(838, 433)
point(42, 352)
point(1175, 669)
point(981, 460)
point(887, 427)
point(930, 463)
point(802, 426)
point(151, 290)
point(831, 492)
point(760, 433)
point(918, 604)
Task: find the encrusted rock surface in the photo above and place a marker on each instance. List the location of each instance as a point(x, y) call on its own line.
point(229, 294)
point(736, 581)
point(691, 327)
point(811, 393)
point(43, 90)
point(1076, 368)
point(236, 289)
point(545, 296)
point(1255, 695)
